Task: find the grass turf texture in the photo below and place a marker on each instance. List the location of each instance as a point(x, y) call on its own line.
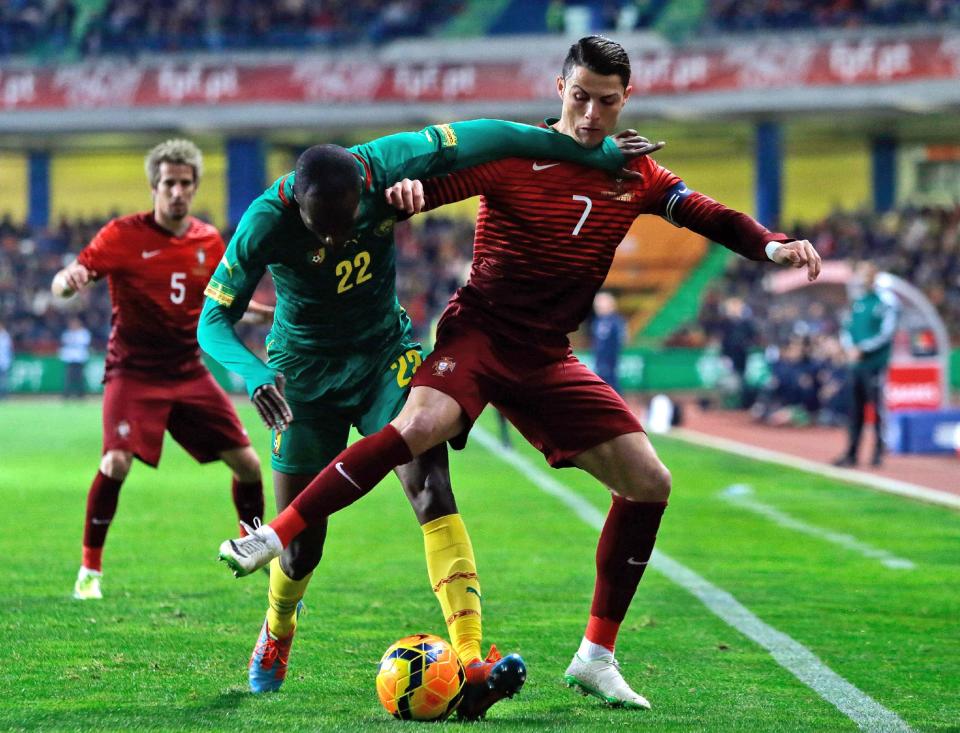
point(167, 648)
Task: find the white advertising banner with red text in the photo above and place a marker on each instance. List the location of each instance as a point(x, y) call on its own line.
point(315, 79)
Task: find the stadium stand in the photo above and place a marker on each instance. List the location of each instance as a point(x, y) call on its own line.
point(69, 29)
point(921, 245)
point(432, 261)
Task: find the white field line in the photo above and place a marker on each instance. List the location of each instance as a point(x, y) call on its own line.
point(789, 654)
point(881, 483)
point(742, 496)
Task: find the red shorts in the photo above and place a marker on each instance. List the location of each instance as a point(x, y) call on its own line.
point(560, 406)
point(197, 412)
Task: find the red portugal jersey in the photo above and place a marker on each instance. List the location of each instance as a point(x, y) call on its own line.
point(156, 287)
point(547, 233)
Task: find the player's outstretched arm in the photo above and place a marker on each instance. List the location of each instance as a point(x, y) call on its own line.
point(735, 230)
point(71, 279)
point(440, 149)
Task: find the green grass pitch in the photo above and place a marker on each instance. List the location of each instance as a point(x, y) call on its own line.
point(167, 648)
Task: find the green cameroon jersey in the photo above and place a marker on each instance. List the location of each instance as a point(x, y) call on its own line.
point(337, 310)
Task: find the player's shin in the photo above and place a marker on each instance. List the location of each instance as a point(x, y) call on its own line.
point(453, 575)
point(102, 502)
point(623, 551)
point(248, 500)
point(283, 596)
point(350, 476)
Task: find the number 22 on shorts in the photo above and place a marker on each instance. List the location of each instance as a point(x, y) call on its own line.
point(406, 366)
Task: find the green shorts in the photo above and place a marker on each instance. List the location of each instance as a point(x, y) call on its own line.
point(320, 427)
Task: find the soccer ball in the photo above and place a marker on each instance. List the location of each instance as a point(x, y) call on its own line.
point(420, 678)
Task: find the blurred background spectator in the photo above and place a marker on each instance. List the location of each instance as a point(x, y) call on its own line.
point(867, 337)
point(6, 358)
point(608, 334)
point(75, 353)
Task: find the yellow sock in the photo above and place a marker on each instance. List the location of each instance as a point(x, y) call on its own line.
point(283, 596)
point(453, 574)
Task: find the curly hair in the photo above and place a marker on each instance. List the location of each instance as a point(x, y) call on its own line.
point(180, 152)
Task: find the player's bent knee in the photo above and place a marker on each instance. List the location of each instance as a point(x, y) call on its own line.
point(654, 485)
point(421, 431)
point(662, 483)
point(244, 463)
point(248, 467)
point(116, 464)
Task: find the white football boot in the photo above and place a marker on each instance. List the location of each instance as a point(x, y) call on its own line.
point(87, 587)
point(601, 678)
point(248, 554)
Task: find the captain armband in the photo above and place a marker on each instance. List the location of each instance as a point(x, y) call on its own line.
point(675, 195)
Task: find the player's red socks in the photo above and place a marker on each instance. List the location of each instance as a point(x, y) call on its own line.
point(350, 475)
point(248, 499)
point(101, 506)
point(625, 546)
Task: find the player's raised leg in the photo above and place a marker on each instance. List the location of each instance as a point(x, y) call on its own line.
point(627, 465)
point(102, 502)
point(420, 426)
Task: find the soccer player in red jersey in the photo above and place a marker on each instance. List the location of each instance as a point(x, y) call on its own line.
point(157, 264)
point(546, 235)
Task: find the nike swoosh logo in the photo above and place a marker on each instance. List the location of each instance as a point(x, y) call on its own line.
point(339, 467)
point(94, 520)
point(631, 561)
point(151, 253)
point(538, 167)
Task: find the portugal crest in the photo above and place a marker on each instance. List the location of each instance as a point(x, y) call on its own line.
point(444, 366)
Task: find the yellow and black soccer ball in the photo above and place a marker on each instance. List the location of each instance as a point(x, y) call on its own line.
point(420, 678)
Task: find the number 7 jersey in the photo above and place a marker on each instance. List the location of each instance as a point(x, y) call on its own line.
point(547, 233)
point(156, 289)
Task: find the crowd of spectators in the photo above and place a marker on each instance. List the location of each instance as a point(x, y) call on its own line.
point(433, 259)
point(784, 354)
point(801, 375)
point(684, 19)
point(759, 15)
point(71, 29)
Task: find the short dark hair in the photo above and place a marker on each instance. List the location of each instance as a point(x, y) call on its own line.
point(327, 171)
point(600, 55)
